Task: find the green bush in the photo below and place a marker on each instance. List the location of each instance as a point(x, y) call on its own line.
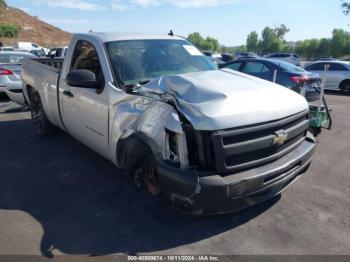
point(10, 31)
point(3, 4)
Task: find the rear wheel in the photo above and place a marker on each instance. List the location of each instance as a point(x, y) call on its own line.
point(345, 88)
point(42, 125)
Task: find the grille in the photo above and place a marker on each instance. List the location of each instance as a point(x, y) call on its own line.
point(253, 146)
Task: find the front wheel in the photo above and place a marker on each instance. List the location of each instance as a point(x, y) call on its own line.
point(41, 123)
point(145, 176)
point(345, 88)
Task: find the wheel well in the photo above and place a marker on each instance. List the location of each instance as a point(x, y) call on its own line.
point(131, 150)
point(29, 91)
point(343, 83)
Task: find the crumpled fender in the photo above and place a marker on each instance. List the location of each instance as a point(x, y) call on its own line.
point(146, 121)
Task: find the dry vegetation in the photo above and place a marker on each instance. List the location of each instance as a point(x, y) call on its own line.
point(31, 29)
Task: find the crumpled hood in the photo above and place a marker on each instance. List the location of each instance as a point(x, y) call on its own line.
point(221, 99)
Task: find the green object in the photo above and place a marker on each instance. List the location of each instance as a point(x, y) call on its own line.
point(319, 117)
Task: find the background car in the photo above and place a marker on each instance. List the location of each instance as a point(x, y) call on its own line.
point(288, 75)
point(328, 58)
point(212, 54)
point(10, 74)
point(286, 57)
point(58, 52)
point(246, 55)
point(217, 61)
point(338, 76)
point(226, 57)
point(7, 48)
point(38, 53)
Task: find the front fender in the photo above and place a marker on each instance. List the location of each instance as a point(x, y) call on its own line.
point(146, 121)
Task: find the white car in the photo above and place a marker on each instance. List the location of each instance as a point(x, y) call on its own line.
point(7, 48)
point(286, 57)
point(58, 52)
point(338, 76)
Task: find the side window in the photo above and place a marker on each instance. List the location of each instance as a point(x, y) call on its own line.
point(255, 68)
point(265, 69)
point(337, 67)
point(316, 67)
point(85, 57)
point(234, 66)
point(59, 52)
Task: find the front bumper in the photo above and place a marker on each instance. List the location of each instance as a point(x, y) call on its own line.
point(204, 193)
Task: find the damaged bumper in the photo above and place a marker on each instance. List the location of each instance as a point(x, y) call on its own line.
point(208, 193)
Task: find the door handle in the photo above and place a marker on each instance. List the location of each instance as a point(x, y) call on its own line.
point(67, 93)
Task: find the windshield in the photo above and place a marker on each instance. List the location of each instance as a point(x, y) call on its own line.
point(14, 58)
point(136, 61)
point(290, 67)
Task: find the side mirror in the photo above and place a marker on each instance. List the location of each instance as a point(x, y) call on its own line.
point(83, 78)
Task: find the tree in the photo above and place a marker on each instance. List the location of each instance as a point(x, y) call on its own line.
point(324, 47)
point(339, 42)
point(269, 42)
point(3, 4)
point(7, 30)
point(281, 31)
point(212, 43)
point(196, 39)
point(252, 42)
point(208, 43)
point(346, 8)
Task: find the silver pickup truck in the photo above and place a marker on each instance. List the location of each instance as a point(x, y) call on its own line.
point(210, 141)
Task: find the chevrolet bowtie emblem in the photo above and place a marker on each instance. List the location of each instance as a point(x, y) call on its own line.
point(281, 138)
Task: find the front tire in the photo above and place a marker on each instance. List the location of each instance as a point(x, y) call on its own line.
point(42, 125)
point(345, 88)
point(145, 176)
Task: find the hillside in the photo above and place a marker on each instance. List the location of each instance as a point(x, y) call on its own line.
point(31, 29)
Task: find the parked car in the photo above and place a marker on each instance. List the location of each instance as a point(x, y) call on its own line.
point(7, 48)
point(286, 57)
point(38, 52)
point(338, 76)
point(10, 74)
point(211, 141)
point(217, 61)
point(57, 52)
point(212, 54)
point(246, 55)
point(28, 46)
point(226, 57)
point(288, 75)
point(328, 58)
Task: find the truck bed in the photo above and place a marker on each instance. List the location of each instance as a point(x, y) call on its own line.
point(52, 62)
point(43, 75)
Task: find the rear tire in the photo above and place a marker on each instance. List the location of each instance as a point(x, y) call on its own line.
point(42, 125)
point(345, 88)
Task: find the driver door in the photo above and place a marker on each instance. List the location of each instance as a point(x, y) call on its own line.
point(85, 110)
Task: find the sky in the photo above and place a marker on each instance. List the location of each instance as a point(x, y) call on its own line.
point(229, 21)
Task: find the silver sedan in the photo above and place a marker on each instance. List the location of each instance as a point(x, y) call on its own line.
point(10, 74)
point(338, 76)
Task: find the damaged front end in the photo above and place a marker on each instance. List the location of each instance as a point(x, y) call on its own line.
point(214, 152)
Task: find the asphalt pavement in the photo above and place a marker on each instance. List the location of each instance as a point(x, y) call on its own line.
point(59, 197)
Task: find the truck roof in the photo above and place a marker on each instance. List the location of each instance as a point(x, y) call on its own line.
point(119, 36)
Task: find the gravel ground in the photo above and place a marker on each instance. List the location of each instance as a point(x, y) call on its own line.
point(59, 197)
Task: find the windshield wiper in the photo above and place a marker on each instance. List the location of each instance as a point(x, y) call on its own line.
point(134, 87)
